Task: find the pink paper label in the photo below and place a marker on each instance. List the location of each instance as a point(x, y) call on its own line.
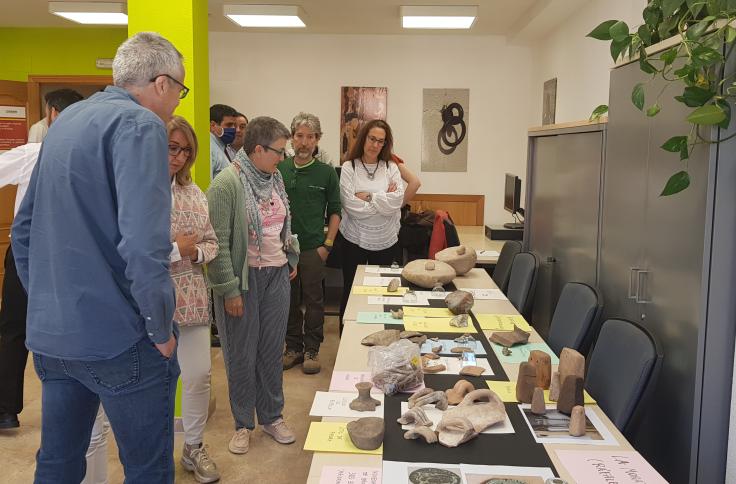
point(607, 466)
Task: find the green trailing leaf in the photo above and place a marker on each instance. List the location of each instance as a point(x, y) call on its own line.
point(669, 6)
point(653, 110)
point(675, 144)
point(646, 66)
point(695, 96)
point(652, 15)
point(727, 110)
point(618, 47)
point(707, 115)
point(666, 29)
point(669, 56)
point(695, 6)
point(694, 32)
point(644, 34)
point(637, 96)
point(602, 31)
point(730, 34)
point(677, 183)
point(684, 153)
point(619, 31)
point(598, 112)
point(705, 56)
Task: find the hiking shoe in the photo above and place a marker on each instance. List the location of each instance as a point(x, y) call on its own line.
point(240, 441)
point(280, 432)
point(311, 363)
point(197, 460)
point(9, 421)
point(292, 358)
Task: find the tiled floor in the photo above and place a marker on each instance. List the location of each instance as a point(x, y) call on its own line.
point(266, 462)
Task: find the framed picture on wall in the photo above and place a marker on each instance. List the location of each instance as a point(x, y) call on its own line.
point(445, 125)
point(549, 101)
point(359, 105)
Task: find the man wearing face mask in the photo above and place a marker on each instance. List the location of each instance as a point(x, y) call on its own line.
point(222, 133)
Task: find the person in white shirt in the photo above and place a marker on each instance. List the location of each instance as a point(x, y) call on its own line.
point(371, 193)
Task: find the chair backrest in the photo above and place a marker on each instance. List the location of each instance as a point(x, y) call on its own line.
point(622, 365)
point(502, 271)
point(523, 282)
point(573, 323)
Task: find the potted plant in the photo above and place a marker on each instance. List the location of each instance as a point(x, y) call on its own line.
point(694, 67)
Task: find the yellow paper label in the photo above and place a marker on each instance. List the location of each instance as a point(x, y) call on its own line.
point(378, 291)
point(427, 312)
point(333, 437)
point(502, 322)
point(434, 325)
point(506, 391)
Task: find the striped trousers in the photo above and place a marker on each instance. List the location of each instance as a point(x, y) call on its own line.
point(252, 346)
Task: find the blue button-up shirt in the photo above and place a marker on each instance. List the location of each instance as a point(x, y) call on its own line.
point(218, 159)
point(91, 238)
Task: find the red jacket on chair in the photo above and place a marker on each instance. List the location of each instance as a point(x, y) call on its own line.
point(438, 240)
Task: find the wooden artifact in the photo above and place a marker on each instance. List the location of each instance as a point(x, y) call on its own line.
point(366, 433)
point(526, 382)
point(543, 362)
point(364, 402)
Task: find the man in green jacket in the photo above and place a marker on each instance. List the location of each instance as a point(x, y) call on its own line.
point(314, 192)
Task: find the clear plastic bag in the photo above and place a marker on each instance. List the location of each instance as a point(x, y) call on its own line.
point(396, 367)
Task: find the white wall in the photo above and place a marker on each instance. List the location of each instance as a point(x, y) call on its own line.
point(580, 64)
point(281, 74)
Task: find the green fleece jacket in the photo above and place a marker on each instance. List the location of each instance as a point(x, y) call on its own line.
point(227, 274)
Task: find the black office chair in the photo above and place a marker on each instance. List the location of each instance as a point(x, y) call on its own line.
point(575, 317)
point(502, 271)
point(622, 370)
point(523, 282)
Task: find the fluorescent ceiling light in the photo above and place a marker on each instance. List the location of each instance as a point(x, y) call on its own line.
point(289, 16)
point(417, 17)
point(91, 12)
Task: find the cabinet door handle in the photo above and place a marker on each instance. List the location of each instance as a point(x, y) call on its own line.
point(633, 276)
point(641, 289)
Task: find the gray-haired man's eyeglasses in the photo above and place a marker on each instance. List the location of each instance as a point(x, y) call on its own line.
point(184, 89)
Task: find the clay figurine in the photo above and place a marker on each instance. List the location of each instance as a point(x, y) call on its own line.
point(472, 370)
point(397, 313)
point(456, 394)
point(415, 416)
point(437, 397)
point(459, 321)
point(426, 433)
point(538, 405)
point(554, 387)
point(381, 338)
point(572, 363)
point(526, 382)
point(459, 302)
point(510, 338)
point(427, 273)
point(577, 421)
point(462, 258)
point(477, 411)
point(571, 394)
point(364, 402)
point(543, 362)
point(366, 433)
point(417, 395)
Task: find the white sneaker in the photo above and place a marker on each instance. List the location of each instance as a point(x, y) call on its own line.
point(197, 460)
point(240, 442)
point(280, 432)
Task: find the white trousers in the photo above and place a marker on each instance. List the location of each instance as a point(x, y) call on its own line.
point(97, 451)
point(194, 359)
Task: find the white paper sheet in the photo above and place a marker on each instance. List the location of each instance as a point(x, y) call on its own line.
point(453, 365)
point(485, 294)
point(563, 437)
point(487, 253)
point(396, 301)
point(377, 281)
point(382, 270)
point(337, 404)
point(435, 416)
point(448, 344)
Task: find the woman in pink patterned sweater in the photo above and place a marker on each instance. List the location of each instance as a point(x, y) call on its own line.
point(193, 243)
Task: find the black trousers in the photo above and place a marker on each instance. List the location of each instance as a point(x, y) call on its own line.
point(13, 352)
point(353, 256)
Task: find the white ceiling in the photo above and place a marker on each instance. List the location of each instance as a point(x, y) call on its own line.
point(521, 20)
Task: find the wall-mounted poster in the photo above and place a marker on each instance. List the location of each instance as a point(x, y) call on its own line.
point(549, 101)
point(13, 127)
point(445, 124)
point(359, 105)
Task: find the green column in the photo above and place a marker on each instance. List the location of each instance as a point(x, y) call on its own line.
point(184, 23)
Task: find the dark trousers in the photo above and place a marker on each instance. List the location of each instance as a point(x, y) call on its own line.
point(353, 256)
point(305, 331)
point(13, 352)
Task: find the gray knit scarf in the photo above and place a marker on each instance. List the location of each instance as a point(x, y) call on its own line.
point(259, 188)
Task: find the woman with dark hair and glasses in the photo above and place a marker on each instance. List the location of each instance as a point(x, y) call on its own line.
point(371, 193)
point(194, 243)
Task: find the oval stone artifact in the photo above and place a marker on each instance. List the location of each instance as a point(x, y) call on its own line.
point(459, 302)
point(461, 258)
point(366, 433)
point(427, 273)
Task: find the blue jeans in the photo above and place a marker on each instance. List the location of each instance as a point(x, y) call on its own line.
point(137, 389)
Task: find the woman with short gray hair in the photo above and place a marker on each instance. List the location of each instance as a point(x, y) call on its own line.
point(249, 210)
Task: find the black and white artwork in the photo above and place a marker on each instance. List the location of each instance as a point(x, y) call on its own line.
point(445, 125)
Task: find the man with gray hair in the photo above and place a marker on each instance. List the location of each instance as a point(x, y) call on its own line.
point(314, 191)
point(95, 225)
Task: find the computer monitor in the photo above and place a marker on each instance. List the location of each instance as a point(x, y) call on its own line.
point(512, 199)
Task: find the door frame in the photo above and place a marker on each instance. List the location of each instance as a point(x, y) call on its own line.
point(35, 84)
